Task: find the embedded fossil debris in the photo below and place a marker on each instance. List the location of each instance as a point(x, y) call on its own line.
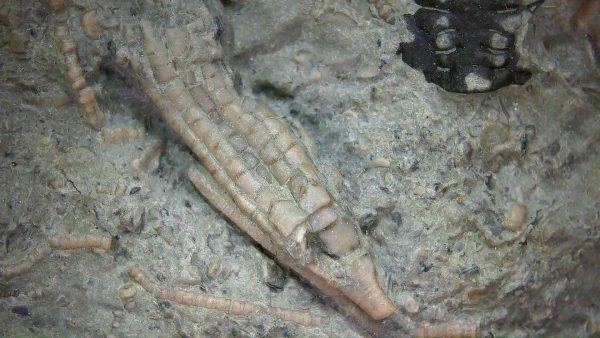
point(466, 46)
point(260, 174)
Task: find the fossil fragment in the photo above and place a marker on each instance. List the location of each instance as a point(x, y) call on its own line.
point(149, 159)
point(127, 294)
point(98, 242)
point(17, 269)
point(66, 242)
point(467, 46)
point(234, 307)
point(85, 95)
point(516, 217)
point(384, 10)
point(447, 330)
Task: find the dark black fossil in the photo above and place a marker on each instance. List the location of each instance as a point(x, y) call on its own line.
point(466, 46)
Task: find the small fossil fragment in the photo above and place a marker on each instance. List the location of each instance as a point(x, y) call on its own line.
point(384, 10)
point(31, 259)
point(56, 4)
point(447, 330)
point(132, 220)
point(410, 304)
point(69, 242)
point(127, 293)
point(91, 25)
point(80, 242)
point(119, 135)
point(516, 217)
point(148, 162)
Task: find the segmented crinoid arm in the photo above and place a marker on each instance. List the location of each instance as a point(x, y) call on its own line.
point(261, 175)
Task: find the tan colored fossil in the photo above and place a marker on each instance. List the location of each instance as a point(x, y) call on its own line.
point(65, 242)
point(449, 330)
point(97, 242)
point(84, 94)
point(260, 174)
point(148, 161)
point(120, 135)
point(230, 306)
point(384, 10)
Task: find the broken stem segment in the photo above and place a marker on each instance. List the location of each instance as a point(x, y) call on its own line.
point(67, 242)
point(234, 307)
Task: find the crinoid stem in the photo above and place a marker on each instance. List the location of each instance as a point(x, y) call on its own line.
point(120, 135)
point(448, 330)
point(230, 306)
point(149, 159)
point(66, 242)
point(98, 242)
point(85, 95)
point(21, 268)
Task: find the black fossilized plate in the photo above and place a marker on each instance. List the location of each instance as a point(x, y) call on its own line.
point(466, 46)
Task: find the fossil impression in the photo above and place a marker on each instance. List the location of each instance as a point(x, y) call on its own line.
point(259, 173)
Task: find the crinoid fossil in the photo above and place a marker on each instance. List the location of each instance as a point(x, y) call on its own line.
point(258, 172)
point(467, 46)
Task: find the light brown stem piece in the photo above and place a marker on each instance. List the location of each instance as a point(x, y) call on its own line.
point(148, 161)
point(98, 242)
point(447, 330)
point(68, 242)
point(230, 306)
point(92, 27)
point(119, 135)
point(38, 254)
point(84, 94)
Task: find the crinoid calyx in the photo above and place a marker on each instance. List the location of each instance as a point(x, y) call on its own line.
point(467, 46)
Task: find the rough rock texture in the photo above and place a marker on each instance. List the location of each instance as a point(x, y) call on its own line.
point(480, 209)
